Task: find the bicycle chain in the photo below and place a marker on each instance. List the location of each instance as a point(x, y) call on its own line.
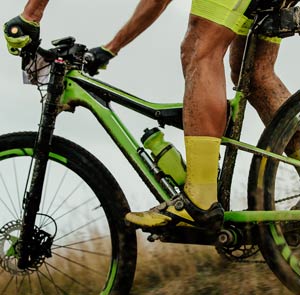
point(222, 251)
point(235, 259)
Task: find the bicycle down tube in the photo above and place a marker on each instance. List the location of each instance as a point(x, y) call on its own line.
point(75, 94)
point(96, 96)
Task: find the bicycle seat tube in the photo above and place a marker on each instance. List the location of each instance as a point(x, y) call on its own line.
point(32, 197)
point(235, 127)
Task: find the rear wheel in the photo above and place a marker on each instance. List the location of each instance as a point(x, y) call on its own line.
point(82, 210)
point(274, 185)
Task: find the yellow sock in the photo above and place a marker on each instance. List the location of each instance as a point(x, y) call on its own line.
point(202, 156)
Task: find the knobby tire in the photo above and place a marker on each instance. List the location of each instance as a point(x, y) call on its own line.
point(274, 185)
point(94, 251)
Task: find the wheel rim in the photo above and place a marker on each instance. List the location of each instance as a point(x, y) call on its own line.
point(81, 250)
point(286, 196)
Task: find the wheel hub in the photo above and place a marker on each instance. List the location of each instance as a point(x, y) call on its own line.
point(39, 248)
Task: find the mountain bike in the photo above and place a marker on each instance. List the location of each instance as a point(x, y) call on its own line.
point(62, 227)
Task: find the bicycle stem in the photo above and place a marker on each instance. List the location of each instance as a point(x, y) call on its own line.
point(32, 199)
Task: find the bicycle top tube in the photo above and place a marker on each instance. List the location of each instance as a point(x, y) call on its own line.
point(164, 113)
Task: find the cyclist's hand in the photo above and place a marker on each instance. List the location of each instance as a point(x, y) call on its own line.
point(20, 33)
point(97, 58)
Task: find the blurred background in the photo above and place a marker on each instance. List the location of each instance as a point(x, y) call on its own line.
point(149, 68)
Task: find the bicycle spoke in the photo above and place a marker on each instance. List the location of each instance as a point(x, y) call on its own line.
point(7, 285)
point(40, 282)
point(78, 264)
point(51, 280)
point(69, 277)
point(56, 192)
point(77, 229)
point(29, 282)
point(20, 284)
point(17, 186)
point(87, 241)
point(70, 211)
point(15, 213)
point(83, 251)
point(67, 197)
point(8, 209)
point(68, 246)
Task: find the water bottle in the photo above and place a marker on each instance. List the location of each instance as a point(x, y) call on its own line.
point(165, 155)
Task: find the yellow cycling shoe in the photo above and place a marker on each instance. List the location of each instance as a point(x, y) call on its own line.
point(177, 212)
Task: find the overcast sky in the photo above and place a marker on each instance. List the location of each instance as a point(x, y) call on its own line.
point(149, 68)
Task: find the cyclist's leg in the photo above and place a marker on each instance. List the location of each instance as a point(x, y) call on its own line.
point(212, 27)
point(268, 92)
point(204, 119)
point(204, 106)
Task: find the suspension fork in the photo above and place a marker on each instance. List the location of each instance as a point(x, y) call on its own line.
point(32, 198)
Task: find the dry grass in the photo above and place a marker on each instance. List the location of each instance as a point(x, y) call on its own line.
point(165, 269)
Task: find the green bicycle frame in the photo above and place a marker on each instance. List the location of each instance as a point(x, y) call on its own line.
point(75, 94)
point(96, 96)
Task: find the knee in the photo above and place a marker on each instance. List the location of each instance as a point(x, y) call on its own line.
point(205, 43)
point(195, 53)
point(189, 44)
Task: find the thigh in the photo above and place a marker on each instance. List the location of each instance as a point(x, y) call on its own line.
point(204, 39)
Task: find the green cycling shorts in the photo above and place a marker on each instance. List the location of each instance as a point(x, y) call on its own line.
point(229, 13)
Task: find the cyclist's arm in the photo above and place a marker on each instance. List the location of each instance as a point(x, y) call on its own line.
point(144, 15)
point(34, 10)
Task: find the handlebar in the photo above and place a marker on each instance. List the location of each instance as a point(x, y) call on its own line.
point(280, 23)
point(65, 48)
point(37, 64)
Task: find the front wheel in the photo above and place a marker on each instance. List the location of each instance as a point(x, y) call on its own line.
point(83, 245)
point(274, 185)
